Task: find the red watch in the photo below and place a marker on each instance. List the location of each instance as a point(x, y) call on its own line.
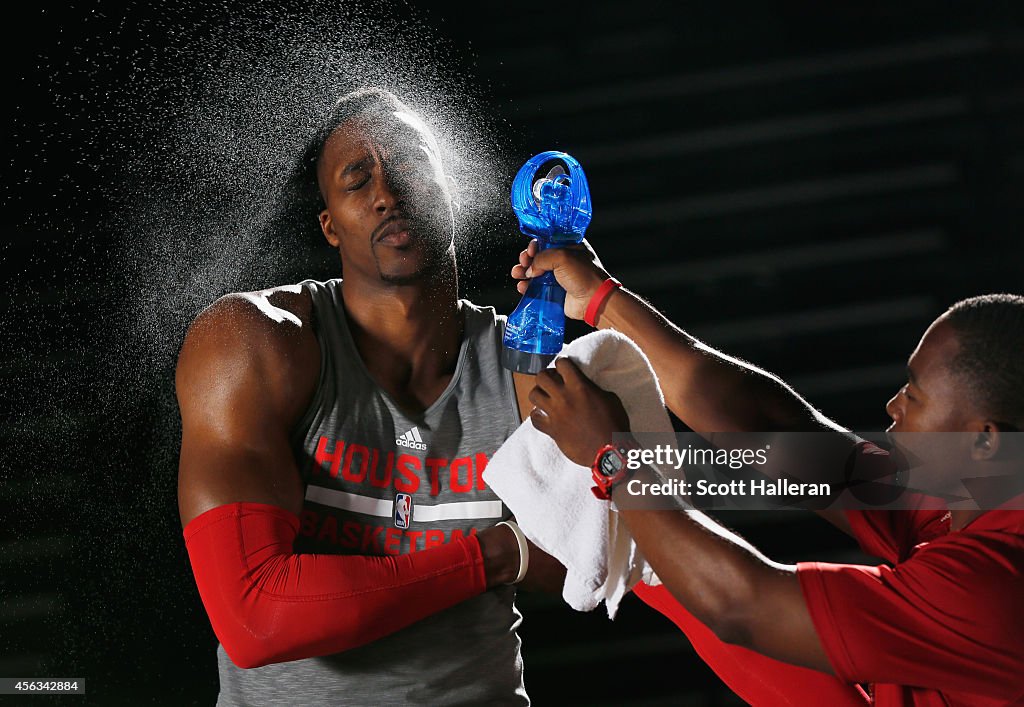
point(610, 468)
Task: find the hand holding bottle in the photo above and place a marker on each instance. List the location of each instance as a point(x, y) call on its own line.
point(576, 268)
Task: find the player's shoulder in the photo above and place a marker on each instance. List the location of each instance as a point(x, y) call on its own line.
point(275, 323)
point(277, 311)
point(276, 308)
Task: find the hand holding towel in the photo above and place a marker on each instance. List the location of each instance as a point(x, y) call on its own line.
point(550, 495)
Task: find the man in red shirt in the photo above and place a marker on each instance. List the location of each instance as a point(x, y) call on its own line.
point(942, 624)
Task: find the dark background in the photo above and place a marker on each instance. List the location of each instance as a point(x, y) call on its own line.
point(804, 185)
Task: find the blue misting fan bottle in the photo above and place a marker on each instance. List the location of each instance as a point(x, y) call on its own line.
point(551, 199)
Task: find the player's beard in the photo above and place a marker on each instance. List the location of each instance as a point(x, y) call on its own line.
point(435, 253)
point(432, 260)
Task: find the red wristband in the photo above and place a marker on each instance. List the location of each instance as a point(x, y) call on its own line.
point(603, 292)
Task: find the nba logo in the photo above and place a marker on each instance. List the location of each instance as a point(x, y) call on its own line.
point(403, 510)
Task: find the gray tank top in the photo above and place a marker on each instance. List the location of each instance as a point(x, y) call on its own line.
point(382, 482)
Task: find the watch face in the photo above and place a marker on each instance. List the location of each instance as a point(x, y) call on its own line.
point(611, 463)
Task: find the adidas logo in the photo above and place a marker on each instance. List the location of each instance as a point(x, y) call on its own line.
point(411, 439)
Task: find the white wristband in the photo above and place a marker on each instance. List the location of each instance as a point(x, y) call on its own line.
point(524, 550)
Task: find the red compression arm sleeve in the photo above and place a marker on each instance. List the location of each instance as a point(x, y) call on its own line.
point(270, 605)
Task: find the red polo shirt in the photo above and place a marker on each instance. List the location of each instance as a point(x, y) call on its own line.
point(943, 626)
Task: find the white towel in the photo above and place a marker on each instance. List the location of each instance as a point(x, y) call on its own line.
point(550, 495)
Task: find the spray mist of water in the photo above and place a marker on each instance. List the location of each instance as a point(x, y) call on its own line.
point(194, 148)
point(207, 214)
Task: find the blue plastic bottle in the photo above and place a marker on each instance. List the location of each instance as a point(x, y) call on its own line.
point(553, 206)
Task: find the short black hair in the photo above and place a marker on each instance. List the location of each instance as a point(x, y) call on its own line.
point(364, 102)
point(990, 331)
point(297, 200)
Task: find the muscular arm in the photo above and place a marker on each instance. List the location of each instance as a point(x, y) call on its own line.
point(729, 586)
point(242, 380)
point(246, 372)
point(741, 595)
point(707, 389)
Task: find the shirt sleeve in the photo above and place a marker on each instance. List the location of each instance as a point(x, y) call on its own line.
point(950, 618)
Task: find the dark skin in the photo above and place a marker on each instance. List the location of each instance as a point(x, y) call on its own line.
point(249, 364)
point(744, 597)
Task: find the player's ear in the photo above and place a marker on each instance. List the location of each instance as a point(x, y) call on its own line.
point(985, 440)
point(327, 226)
